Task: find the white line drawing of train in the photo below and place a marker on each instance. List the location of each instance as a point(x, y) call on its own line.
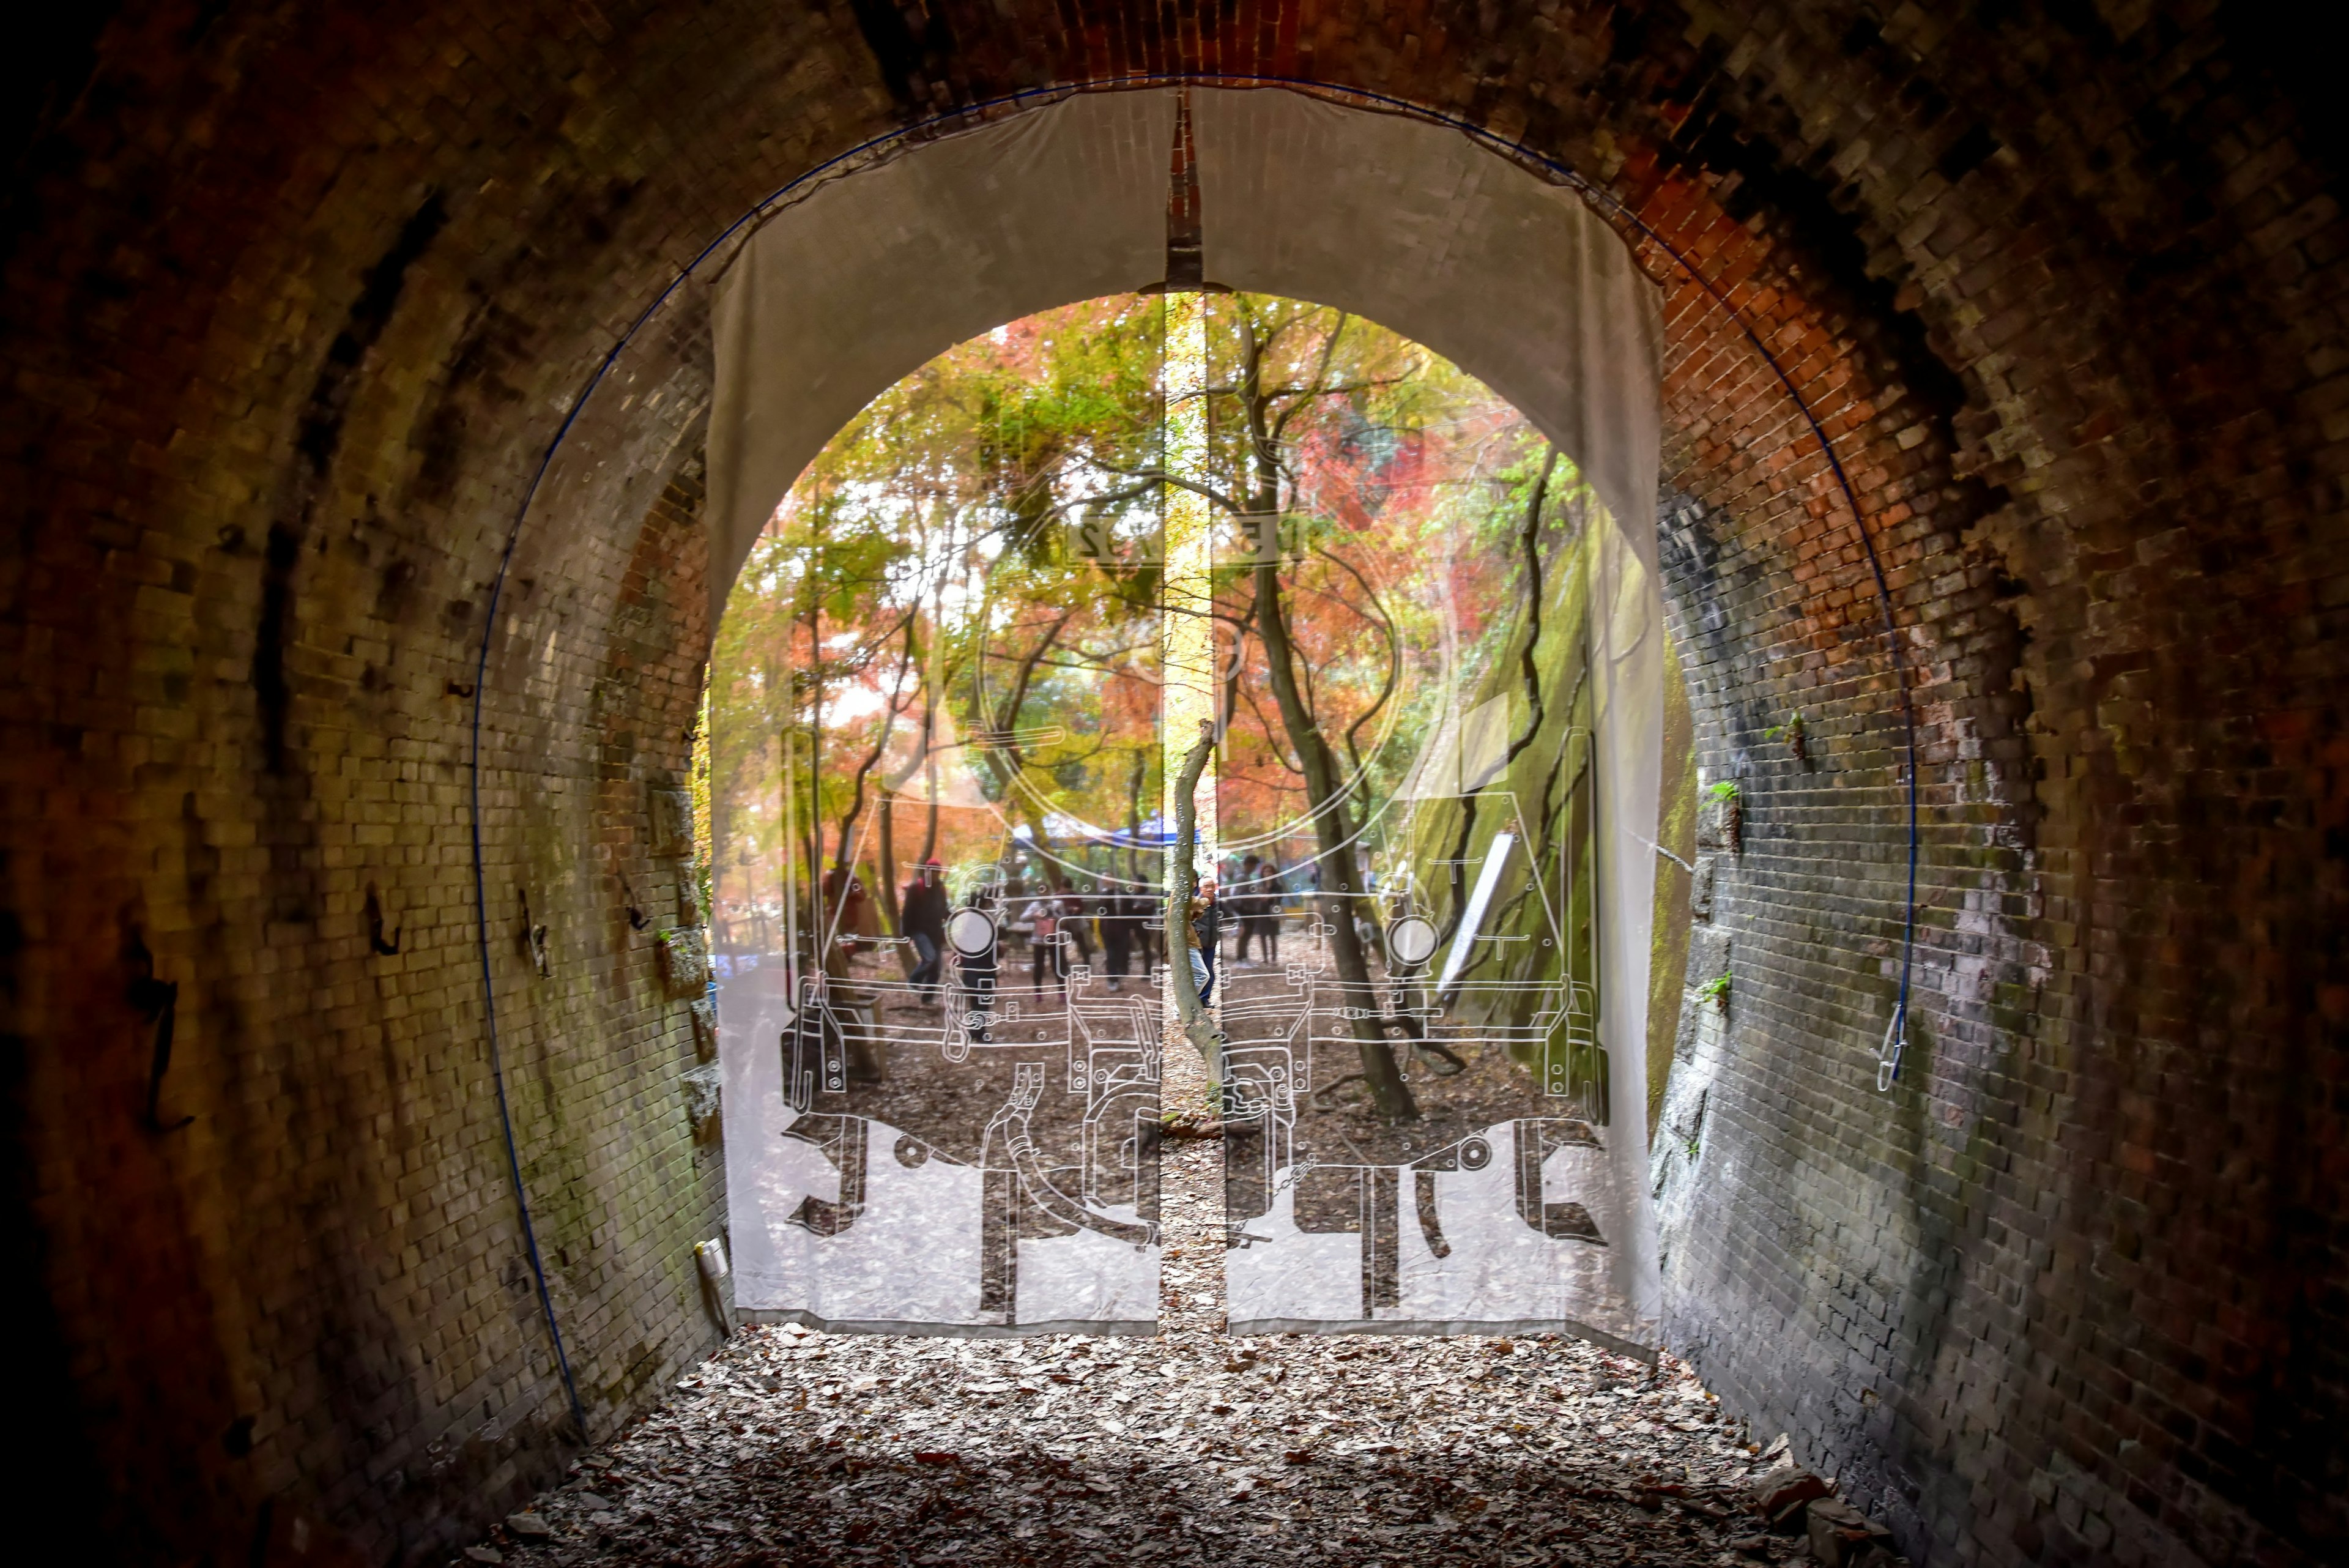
point(1494, 1208)
point(1039, 1111)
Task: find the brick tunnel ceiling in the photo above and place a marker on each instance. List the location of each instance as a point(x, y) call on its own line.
point(297, 302)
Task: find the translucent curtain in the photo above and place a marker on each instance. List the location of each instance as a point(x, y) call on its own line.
point(1499, 821)
point(1515, 280)
point(1477, 1194)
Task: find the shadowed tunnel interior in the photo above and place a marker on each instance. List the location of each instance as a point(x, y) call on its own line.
point(299, 299)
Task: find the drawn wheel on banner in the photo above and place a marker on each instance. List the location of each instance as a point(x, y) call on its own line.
point(970, 933)
point(1411, 941)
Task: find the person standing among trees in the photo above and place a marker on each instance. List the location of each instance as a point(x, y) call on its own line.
point(1248, 906)
point(1076, 924)
point(1206, 930)
point(1264, 913)
point(924, 915)
point(1042, 919)
point(1137, 904)
point(1015, 919)
point(1118, 932)
point(1243, 906)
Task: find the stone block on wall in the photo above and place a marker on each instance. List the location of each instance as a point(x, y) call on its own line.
point(672, 823)
point(684, 963)
point(700, 1086)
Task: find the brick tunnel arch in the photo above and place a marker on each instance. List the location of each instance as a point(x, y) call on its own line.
point(296, 304)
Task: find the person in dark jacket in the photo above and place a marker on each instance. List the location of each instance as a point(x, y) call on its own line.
point(1206, 930)
point(925, 917)
point(1242, 906)
point(1042, 918)
point(1119, 927)
point(1076, 923)
point(1264, 913)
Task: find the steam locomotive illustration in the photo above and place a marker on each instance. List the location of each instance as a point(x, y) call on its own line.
point(983, 1155)
point(968, 1153)
point(1495, 1204)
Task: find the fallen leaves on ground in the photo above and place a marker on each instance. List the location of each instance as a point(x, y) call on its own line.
point(792, 1446)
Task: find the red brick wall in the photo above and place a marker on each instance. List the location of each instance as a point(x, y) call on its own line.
point(296, 298)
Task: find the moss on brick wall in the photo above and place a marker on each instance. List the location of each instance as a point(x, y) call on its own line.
point(1541, 789)
point(1669, 943)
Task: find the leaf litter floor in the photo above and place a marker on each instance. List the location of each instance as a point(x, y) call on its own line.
point(795, 1448)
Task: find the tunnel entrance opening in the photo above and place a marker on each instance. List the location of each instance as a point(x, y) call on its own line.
point(949, 692)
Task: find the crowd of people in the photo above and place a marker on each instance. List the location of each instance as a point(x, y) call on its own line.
point(1057, 921)
point(1042, 925)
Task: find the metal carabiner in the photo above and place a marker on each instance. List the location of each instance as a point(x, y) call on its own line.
point(1888, 1055)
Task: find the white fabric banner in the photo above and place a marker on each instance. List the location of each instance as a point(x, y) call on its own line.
point(1408, 224)
point(1518, 282)
point(1513, 280)
point(873, 275)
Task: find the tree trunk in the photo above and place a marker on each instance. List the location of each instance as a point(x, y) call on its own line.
point(930, 823)
point(1134, 816)
point(850, 851)
point(1198, 1023)
point(1002, 758)
point(1388, 1092)
point(889, 865)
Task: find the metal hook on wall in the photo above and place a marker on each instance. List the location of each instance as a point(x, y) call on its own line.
point(637, 919)
point(384, 947)
point(157, 1003)
point(534, 934)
